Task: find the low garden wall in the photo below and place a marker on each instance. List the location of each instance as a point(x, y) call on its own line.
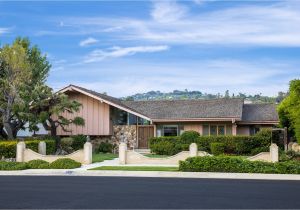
point(132, 157)
point(294, 146)
point(24, 155)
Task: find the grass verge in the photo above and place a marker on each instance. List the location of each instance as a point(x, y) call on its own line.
point(136, 168)
point(99, 157)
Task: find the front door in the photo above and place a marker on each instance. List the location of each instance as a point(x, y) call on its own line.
point(145, 132)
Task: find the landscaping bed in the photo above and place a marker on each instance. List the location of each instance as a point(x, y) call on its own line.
point(136, 168)
point(63, 163)
point(237, 165)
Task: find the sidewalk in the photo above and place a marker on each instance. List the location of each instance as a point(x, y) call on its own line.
point(157, 174)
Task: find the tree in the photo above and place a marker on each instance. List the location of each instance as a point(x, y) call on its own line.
point(14, 77)
point(227, 94)
point(22, 69)
point(289, 109)
point(49, 110)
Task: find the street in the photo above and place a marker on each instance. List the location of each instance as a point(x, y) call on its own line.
point(71, 192)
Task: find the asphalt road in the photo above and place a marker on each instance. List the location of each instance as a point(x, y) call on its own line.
point(121, 192)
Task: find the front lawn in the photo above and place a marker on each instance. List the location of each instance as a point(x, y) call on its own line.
point(99, 157)
point(156, 156)
point(136, 168)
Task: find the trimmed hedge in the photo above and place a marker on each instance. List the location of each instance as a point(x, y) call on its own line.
point(64, 163)
point(106, 147)
point(37, 164)
point(237, 165)
point(239, 145)
point(217, 148)
point(10, 166)
point(8, 148)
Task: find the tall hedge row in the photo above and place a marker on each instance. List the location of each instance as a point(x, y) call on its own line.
point(8, 148)
point(240, 145)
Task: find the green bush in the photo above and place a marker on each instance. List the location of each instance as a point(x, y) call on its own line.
point(237, 165)
point(78, 142)
point(9, 166)
point(38, 164)
point(8, 148)
point(189, 136)
point(64, 163)
point(66, 144)
point(258, 150)
point(217, 148)
point(239, 145)
point(105, 147)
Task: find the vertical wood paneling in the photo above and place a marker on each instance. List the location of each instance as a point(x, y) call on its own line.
point(95, 114)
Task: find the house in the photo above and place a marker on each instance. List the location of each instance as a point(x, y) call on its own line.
point(115, 120)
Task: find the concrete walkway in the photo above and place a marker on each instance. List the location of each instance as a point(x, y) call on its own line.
point(161, 174)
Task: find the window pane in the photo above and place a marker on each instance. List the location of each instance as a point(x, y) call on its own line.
point(132, 119)
point(221, 130)
point(118, 117)
point(170, 130)
point(205, 130)
point(213, 130)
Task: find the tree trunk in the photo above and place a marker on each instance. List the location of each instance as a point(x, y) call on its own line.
point(9, 130)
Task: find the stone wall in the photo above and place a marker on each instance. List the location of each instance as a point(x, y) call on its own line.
point(121, 133)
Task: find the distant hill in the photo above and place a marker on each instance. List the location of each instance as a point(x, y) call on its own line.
point(185, 94)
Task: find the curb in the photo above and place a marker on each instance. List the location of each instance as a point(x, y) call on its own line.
point(152, 174)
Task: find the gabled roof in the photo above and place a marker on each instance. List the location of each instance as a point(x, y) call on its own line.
point(104, 98)
point(226, 109)
point(259, 113)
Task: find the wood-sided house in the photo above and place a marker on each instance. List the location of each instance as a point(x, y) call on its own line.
point(112, 119)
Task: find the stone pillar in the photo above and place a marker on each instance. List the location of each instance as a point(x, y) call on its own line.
point(193, 150)
point(88, 153)
point(20, 151)
point(122, 153)
point(234, 129)
point(295, 147)
point(42, 148)
point(274, 153)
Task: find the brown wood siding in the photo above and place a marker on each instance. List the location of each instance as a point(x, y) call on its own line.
point(95, 114)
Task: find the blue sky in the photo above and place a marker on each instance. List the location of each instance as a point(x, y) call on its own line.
point(125, 47)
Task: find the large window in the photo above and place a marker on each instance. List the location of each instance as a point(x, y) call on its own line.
point(120, 117)
point(215, 130)
point(169, 130)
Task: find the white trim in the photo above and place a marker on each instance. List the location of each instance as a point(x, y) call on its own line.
point(194, 120)
point(71, 88)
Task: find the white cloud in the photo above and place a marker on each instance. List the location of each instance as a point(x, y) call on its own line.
point(115, 52)
point(4, 30)
point(273, 24)
point(88, 41)
point(167, 11)
point(127, 77)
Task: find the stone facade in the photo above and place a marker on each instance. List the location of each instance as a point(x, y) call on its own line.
point(121, 133)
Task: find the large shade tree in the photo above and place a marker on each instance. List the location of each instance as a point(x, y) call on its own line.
point(289, 109)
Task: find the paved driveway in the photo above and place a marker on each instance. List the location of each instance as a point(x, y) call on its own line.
point(124, 192)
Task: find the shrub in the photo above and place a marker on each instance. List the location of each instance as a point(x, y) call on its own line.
point(8, 148)
point(240, 145)
point(78, 142)
point(217, 148)
point(237, 165)
point(106, 147)
point(189, 136)
point(64, 163)
point(38, 164)
point(258, 150)
point(66, 144)
point(9, 166)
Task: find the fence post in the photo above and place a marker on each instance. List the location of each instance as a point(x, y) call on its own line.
point(122, 153)
point(274, 153)
point(20, 151)
point(42, 148)
point(88, 153)
point(193, 150)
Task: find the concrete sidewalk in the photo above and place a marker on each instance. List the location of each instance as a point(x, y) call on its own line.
point(161, 174)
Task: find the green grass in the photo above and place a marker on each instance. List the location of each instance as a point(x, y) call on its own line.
point(156, 156)
point(136, 168)
point(99, 157)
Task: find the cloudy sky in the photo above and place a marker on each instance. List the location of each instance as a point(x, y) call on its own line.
point(125, 47)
